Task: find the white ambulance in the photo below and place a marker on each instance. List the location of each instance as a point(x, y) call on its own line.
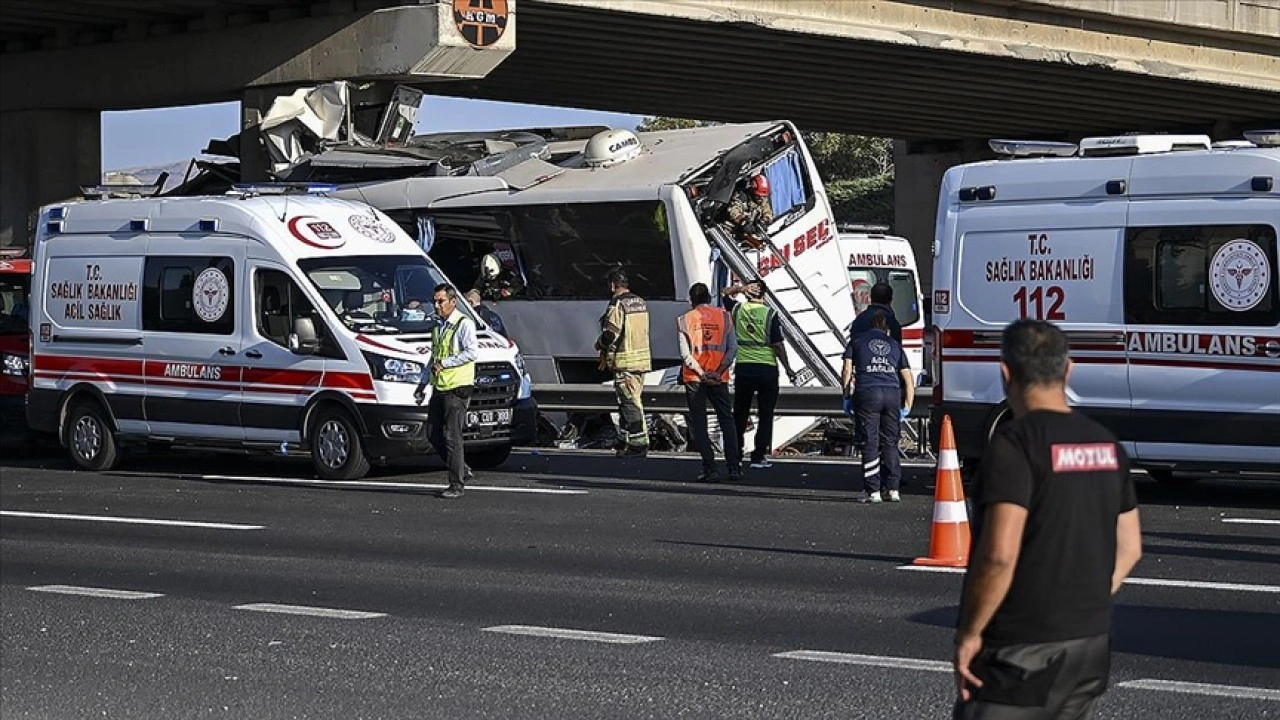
point(261, 320)
point(1156, 254)
point(875, 257)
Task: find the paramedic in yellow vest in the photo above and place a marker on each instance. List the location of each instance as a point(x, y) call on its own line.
point(453, 379)
point(624, 349)
point(760, 349)
point(707, 350)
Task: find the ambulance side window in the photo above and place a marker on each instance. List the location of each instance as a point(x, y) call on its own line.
point(189, 295)
point(278, 302)
point(1201, 275)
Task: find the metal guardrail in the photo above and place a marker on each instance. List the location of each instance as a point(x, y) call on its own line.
point(813, 401)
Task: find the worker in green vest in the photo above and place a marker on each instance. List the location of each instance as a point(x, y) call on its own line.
point(624, 349)
point(760, 349)
point(453, 379)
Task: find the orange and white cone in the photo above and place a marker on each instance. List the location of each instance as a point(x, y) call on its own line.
point(949, 539)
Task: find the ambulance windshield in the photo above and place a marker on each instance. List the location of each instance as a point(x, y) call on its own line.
point(379, 294)
point(903, 282)
point(14, 291)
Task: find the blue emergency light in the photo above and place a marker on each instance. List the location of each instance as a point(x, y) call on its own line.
point(284, 188)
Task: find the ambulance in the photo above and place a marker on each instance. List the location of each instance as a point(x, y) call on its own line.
point(270, 319)
point(1156, 254)
point(872, 256)
point(15, 287)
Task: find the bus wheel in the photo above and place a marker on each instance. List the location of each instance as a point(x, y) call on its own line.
point(336, 450)
point(89, 437)
point(489, 457)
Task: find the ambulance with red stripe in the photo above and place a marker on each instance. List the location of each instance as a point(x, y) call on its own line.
point(1157, 255)
point(876, 257)
point(270, 319)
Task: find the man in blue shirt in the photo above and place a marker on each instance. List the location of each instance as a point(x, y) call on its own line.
point(486, 313)
point(881, 304)
point(875, 373)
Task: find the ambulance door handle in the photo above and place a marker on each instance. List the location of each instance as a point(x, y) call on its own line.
point(228, 350)
point(253, 354)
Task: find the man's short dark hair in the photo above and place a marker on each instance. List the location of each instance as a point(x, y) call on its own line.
point(1035, 352)
point(880, 322)
point(699, 294)
point(882, 293)
point(617, 277)
point(447, 289)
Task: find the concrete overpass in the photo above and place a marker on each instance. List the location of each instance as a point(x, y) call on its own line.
point(940, 76)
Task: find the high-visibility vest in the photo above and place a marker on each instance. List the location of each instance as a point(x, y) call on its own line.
point(707, 329)
point(444, 341)
point(630, 352)
point(751, 322)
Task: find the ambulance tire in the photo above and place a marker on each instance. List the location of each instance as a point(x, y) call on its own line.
point(336, 450)
point(89, 437)
point(488, 458)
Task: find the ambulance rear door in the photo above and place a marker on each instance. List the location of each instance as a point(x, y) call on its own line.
point(1202, 310)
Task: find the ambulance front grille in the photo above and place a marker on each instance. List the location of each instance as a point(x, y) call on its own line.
point(496, 387)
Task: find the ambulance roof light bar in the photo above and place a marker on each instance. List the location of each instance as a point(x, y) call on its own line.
point(1141, 144)
point(857, 228)
point(282, 188)
point(1263, 138)
point(1032, 148)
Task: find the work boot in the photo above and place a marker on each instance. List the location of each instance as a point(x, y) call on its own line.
point(453, 491)
point(708, 476)
point(633, 451)
point(735, 475)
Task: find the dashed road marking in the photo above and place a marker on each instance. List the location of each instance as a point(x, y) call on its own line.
point(131, 520)
point(1190, 688)
point(95, 592)
point(332, 613)
point(566, 634)
point(375, 485)
point(1159, 582)
point(873, 660)
point(1251, 521)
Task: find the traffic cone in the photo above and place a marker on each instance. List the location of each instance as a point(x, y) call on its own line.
point(949, 539)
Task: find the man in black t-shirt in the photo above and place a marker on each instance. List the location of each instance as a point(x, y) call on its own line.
point(1056, 532)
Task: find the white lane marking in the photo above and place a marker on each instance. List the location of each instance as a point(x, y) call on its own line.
point(1160, 582)
point(950, 511)
point(95, 592)
point(565, 634)
point(874, 660)
point(333, 613)
point(1191, 688)
point(387, 485)
point(131, 521)
point(693, 456)
point(1251, 521)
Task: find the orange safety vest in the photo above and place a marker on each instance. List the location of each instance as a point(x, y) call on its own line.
point(707, 330)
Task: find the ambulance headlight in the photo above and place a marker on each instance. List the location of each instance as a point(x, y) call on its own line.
point(520, 364)
point(15, 365)
point(390, 369)
point(526, 383)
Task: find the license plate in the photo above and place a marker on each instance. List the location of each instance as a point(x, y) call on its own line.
point(488, 417)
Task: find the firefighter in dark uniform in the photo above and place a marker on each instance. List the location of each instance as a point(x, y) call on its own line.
point(749, 212)
point(624, 349)
point(876, 373)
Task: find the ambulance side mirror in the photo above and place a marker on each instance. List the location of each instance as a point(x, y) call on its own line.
point(303, 340)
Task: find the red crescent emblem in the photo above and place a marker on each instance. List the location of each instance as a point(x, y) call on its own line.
point(313, 242)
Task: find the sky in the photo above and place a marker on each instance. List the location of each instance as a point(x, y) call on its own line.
point(142, 138)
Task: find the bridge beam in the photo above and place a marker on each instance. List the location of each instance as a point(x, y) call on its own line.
point(45, 156)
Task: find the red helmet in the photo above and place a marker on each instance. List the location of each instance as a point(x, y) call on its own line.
point(760, 185)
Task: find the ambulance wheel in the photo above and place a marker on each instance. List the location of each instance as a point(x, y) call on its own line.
point(489, 457)
point(336, 450)
point(89, 437)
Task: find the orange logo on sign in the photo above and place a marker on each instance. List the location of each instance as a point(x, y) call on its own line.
point(481, 22)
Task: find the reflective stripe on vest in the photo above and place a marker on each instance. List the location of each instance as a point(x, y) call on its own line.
point(707, 329)
point(444, 343)
point(751, 322)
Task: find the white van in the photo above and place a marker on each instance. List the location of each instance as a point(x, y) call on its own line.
point(1156, 255)
point(874, 257)
point(284, 323)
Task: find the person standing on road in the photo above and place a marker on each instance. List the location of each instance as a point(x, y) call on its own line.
point(881, 304)
point(760, 349)
point(624, 349)
point(453, 379)
point(1056, 533)
point(876, 374)
point(707, 349)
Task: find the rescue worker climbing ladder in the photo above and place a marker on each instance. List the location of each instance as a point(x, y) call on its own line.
point(624, 349)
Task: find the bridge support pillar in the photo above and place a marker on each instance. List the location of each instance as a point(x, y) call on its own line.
point(45, 156)
point(918, 171)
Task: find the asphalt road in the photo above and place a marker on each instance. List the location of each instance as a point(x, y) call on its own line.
point(267, 595)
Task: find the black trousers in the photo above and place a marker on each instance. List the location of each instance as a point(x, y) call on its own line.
point(878, 411)
point(446, 414)
point(765, 386)
point(1041, 681)
point(698, 395)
